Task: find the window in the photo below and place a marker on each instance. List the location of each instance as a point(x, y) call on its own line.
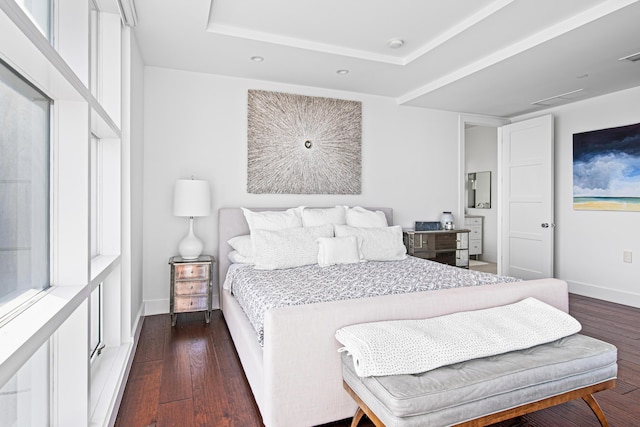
point(24, 399)
point(94, 212)
point(40, 13)
point(95, 332)
point(61, 224)
point(96, 321)
point(24, 191)
point(94, 51)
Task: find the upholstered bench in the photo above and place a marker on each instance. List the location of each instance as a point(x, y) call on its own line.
point(487, 390)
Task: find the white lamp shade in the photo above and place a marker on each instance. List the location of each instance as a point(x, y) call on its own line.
point(191, 197)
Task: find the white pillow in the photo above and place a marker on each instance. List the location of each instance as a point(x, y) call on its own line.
point(242, 244)
point(312, 217)
point(272, 220)
point(286, 248)
point(338, 250)
point(237, 258)
point(364, 218)
point(378, 244)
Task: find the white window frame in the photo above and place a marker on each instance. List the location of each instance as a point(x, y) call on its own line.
point(61, 316)
point(20, 302)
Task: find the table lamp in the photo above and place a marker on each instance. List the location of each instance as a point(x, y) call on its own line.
point(191, 198)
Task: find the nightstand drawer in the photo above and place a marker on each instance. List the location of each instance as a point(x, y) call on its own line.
point(446, 241)
point(445, 258)
point(462, 241)
point(472, 221)
point(476, 232)
point(192, 287)
point(462, 258)
point(184, 304)
point(192, 271)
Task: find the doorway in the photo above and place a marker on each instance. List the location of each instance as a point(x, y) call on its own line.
point(524, 192)
point(481, 169)
point(478, 138)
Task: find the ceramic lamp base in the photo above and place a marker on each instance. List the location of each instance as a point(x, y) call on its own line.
point(190, 247)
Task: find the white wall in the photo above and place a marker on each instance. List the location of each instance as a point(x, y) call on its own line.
point(481, 154)
point(589, 244)
point(196, 124)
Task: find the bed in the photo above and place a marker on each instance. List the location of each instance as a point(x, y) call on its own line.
point(296, 374)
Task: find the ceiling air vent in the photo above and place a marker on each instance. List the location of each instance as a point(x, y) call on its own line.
point(634, 57)
point(559, 99)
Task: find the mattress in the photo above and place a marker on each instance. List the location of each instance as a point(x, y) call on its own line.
point(258, 291)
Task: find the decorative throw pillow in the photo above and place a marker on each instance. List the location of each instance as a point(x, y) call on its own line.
point(286, 248)
point(242, 244)
point(364, 218)
point(272, 220)
point(237, 258)
point(378, 244)
point(338, 250)
point(312, 217)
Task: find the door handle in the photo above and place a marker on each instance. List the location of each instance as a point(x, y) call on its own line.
point(547, 225)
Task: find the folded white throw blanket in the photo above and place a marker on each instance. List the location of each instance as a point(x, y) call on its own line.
point(414, 346)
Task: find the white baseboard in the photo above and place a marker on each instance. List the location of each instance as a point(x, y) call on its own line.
point(606, 294)
point(137, 325)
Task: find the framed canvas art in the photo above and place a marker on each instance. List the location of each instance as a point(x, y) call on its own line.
point(303, 144)
point(606, 169)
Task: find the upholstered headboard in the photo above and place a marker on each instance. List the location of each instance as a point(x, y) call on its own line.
point(231, 223)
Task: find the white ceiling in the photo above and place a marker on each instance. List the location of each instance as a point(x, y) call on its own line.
point(489, 57)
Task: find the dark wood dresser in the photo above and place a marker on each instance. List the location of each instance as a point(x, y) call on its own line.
point(445, 246)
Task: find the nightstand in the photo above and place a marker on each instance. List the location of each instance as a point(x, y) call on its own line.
point(444, 246)
point(191, 285)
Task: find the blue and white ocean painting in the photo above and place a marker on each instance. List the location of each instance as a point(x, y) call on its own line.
point(606, 169)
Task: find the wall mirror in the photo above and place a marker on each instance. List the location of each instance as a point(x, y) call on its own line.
point(479, 190)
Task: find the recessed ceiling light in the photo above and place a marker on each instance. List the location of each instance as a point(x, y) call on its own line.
point(395, 43)
point(342, 72)
point(257, 58)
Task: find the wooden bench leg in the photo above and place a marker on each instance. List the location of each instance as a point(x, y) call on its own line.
point(363, 409)
point(593, 404)
point(357, 417)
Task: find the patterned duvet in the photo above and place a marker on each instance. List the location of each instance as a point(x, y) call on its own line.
point(260, 290)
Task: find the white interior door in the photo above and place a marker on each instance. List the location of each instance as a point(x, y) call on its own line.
point(526, 192)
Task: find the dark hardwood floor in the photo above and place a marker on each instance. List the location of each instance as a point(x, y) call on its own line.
point(190, 375)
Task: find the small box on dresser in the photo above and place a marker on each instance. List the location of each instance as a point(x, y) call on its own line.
point(191, 286)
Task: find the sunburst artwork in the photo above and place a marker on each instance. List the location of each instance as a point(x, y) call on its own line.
point(303, 144)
